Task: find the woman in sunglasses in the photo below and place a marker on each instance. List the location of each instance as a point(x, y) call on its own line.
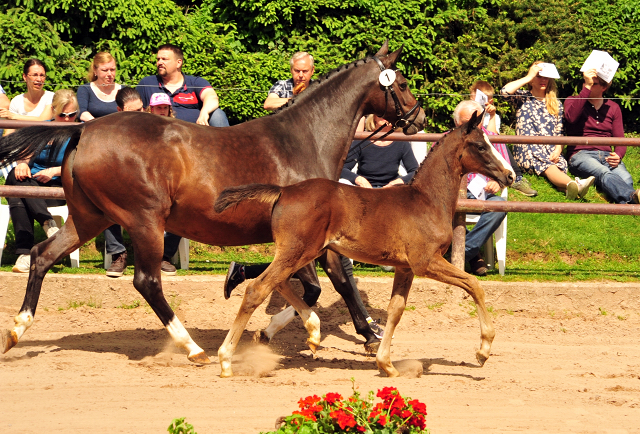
point(35, 103)
point(39, 171)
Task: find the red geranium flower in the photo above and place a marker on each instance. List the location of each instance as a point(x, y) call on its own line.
point(343, 418)
point(308, 401)
point(418, 406)
point(331, 398)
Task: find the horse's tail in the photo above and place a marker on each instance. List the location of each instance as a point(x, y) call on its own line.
point(29, 141)
point(234, 195)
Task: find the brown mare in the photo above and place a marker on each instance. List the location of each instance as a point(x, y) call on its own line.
point(150, 174)
point(409, 227)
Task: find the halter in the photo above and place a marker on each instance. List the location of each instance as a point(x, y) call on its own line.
point(403, 120)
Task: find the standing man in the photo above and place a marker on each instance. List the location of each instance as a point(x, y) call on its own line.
point(282, 91)
point(192, 99)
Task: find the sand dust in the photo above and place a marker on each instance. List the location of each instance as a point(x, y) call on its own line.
point(566, 358)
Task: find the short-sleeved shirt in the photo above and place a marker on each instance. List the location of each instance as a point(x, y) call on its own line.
point(17, 105)
point(186, 102)
point(89, 101)
point(1, 89)
point(379, 164)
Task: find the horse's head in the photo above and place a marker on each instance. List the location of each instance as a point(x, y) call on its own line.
point(392, 99)
point(479, 155)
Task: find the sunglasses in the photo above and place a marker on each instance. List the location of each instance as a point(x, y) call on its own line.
point(68, 115)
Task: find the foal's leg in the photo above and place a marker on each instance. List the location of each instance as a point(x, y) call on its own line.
point(309, 318)
point(441, 270)
point(334, 264)
point(43, 257)
point(148, 241)
point(401, 286)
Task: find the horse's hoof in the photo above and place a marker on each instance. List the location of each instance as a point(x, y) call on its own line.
point(9, 340)
point(481, 358)
point(372, 347)
point(260, 337)
point(313, 347)
point(228, 373)
point(199, 358)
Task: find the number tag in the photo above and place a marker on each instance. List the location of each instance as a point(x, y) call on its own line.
point(387, 77)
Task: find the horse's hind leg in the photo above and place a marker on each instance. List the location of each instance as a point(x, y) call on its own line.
point(335, 265)
point(441, 270)
point(148, 247)
point(401, 286)
point(43, 257)
point(309, 318)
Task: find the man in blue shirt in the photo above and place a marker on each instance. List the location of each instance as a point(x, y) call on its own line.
point(192, 99)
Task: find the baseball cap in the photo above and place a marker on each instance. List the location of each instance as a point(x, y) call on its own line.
point(159, 99)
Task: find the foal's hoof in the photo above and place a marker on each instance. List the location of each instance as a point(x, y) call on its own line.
point(260, 337)
point(481, 358)
point(9, 339)
point(372, 347)
point(199, 358)
point(313, 347)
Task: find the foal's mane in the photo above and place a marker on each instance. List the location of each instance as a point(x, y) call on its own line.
point(435, 146)
point(321, 80)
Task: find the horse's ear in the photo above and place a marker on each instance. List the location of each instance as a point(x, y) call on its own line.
point(384, 49)
point(392, 58)
point(474, 121)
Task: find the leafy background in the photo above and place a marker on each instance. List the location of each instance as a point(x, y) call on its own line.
point(242, 47)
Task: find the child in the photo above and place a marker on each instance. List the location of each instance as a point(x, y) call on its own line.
point(491, 122)
point(160, 104)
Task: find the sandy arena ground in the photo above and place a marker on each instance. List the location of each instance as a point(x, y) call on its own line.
point(566, 358)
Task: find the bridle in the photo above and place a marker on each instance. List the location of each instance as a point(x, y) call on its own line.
point(404, 118)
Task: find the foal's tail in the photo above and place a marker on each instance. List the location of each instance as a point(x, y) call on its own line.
point(234, 195)
point(29, 141)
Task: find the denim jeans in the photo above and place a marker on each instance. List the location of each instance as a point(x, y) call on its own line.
point(218, 119)
point(113, 240)
point(486, 226)
point(615, 182)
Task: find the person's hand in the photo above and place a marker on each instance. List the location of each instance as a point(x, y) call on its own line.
point(22, 171)
point(555, 156)
point(396, 181)
point(589, 75)
point(491, 109)
point(492, 187)
point(203, 119)
point(44, 176)
point(5, 113)
point(362, 182)
point(613, 159)
point(533, 71)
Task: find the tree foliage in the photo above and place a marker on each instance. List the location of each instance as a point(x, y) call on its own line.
point(243, 46)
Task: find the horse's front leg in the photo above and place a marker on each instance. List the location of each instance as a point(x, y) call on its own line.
point(441, 270)
point(339, 270)
point(401, 286)
point(148, 244)
point(43, 257)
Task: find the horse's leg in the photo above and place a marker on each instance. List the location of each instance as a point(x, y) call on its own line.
point(43, 257)
point(401, 286)
point(336, 267)
point(309, 318)
point(441, 270)
point(309, 279)
point(148, 242)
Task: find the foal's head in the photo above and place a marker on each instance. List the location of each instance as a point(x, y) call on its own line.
point(479, 155)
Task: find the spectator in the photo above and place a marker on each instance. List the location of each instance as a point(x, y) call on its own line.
point(379, 161)
point(192, 100)
point(282, 91)
point(591, 115)
point(160, 105)
point(40, 171)
point(491, 122)
point(539, 113)
point(4, 101)
point(489, 221)
point(98, 98)
point(35, 104)
point(128, 100)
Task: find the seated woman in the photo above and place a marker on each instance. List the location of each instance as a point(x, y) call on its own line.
point(379, 160)
point(39, 171)
point(539, 113)
point(589, 114)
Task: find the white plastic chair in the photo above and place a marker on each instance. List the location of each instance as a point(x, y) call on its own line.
point(501, 241)
point(181, 257)
point(59, 214)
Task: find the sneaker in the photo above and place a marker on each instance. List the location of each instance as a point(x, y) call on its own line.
point(524, 187)
point(572, 190)
point(376, 329)
point(235, 276)
point(167, 268)
point(22, 264)
point(478, 266)
point(635, 197)
point(50, 228)
point(583, 185)
point(118, 264)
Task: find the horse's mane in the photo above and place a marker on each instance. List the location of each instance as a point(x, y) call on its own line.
point(429, 155)
point(321, 80)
